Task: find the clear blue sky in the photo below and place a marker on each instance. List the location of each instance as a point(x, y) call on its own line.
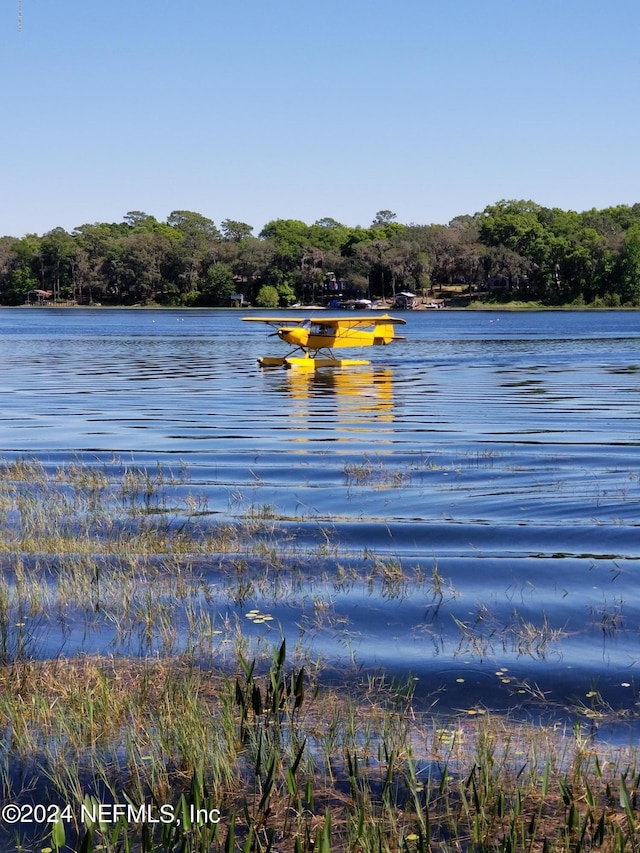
point(297, 109)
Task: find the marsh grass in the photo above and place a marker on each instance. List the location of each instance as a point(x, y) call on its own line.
point(484, 634)
point(87, 510)
point(204, 718)
point(293, 766)
point(374, 473)
point(131, 556)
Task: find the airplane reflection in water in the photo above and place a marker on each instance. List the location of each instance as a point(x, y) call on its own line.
point(354, 400)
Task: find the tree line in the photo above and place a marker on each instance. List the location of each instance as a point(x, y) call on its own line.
point(512, 250)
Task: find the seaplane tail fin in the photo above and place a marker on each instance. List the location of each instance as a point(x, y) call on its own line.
point(384, 334)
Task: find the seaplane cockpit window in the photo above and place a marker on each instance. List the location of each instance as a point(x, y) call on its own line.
point(319, 329)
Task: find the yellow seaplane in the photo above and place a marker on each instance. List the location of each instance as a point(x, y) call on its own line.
point(316, 338)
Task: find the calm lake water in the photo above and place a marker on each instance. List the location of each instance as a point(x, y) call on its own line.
point(464, 509)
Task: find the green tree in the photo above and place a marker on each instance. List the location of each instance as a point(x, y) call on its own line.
point(383, 217)
point(290, 237)
point(196, 230)
point(630, 266)
point(218, 286)
point(138, 261)
point(517, 226)
point(328, 222)
point(286, 293)
point(267, 297)
point(252, 261)
point(328, 234)
point(193, 239)
point(141, 221)
point(57, 256)
point(19, 262)
point(235, 231)
point(385, 225)
point(372, 257)
point(95, 243)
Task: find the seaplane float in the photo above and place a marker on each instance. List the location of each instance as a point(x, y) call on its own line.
point(314, 338)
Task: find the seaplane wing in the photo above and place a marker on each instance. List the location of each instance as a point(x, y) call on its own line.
point(362, 322)
point(356, 322)
point(275, 321)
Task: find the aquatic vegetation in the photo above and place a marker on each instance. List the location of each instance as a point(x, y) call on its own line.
point(375, 473)
point(270, 759)
point(482, 636)
point(201, 707)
